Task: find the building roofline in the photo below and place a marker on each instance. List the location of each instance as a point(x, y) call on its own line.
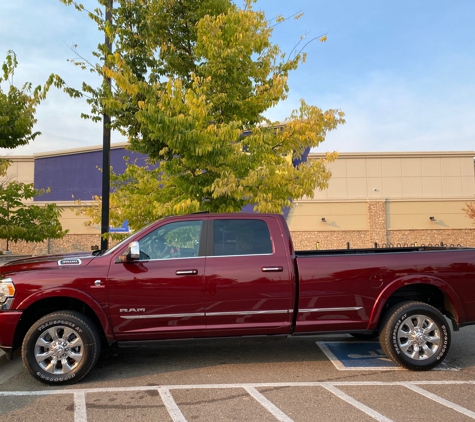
point(80, 150)
point(17, 158)
point(348, 155)
point(417, 154)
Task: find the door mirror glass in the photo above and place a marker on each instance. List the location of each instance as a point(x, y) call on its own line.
point(132, 253)
point(134, 249)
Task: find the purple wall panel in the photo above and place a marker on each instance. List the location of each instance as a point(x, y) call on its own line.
point(76, 176)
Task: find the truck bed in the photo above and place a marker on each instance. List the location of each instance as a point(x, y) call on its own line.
point(309, 253)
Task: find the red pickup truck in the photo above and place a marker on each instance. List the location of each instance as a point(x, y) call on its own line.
point(224, 275)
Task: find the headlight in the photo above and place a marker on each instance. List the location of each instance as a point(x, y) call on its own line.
point(7, 290)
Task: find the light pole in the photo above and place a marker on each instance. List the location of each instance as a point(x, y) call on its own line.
point(106, 144)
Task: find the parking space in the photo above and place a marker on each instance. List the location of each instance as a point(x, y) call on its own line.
point(294, 380)
point(363, 355)
point(348, 356)
point(316, 401)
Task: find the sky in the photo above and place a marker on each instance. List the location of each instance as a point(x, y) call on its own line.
point(403, 72)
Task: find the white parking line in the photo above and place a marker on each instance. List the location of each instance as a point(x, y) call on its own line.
point(267, 404)
point(225, 386)
point(171, 405)
point(441, 400)
point(80, 411)
point(80, 405)
point(370, 412)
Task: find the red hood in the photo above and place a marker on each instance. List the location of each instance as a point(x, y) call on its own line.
point(48, 261)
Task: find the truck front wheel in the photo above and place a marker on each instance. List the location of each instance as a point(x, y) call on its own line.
point(61, 348)
point(415, 335)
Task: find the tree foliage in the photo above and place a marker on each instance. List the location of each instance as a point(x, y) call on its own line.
point(470, 210)
point(20, 220)
point(192, 80)
point(17, 108)
point(27, 222)
point(18, 105)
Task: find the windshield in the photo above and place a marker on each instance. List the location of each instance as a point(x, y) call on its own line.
point(125, 241)
point(114, 248)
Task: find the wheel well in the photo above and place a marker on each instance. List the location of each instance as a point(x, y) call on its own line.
point(426, 293)
point(46, 306)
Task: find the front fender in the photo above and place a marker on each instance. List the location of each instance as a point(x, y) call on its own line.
point(392, 287)
point(74, 294)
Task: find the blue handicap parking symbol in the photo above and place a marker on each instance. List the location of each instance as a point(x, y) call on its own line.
point(356, 355)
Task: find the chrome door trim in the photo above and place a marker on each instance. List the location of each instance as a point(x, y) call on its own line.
point(162, 316)
point(241, 313)
point(188, 315)
point(352, 308)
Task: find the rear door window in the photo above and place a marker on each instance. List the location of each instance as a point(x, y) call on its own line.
point(241, 237)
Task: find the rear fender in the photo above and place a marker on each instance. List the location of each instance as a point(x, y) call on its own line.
point(454, 305)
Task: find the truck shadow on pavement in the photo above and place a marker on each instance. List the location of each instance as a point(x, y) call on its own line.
point(245, 358)
point(242, 360)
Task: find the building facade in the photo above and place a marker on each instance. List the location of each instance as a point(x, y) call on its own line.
point(383, 199)
point(71, 176)
point(389, 199)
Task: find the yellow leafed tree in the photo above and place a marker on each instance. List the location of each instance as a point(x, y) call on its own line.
point(192, 80)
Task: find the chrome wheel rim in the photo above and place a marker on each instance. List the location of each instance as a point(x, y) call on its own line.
point(418, 337)
point(59, 350)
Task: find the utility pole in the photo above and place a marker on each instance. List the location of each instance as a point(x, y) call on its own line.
point(106, 144)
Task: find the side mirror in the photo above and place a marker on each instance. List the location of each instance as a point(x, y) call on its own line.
point(134, 250)
point(132, 254)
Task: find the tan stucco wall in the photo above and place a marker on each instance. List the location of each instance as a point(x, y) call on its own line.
point(448, 214)
point(339, 215)
point(388, 198)
point(74, 221)
point(400, 175)
point(22, 169)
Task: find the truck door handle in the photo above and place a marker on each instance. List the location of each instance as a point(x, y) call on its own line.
point(186, 272)
point(272, 269)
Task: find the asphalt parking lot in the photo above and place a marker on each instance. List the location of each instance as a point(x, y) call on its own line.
point(243, 380)
point(383, 401)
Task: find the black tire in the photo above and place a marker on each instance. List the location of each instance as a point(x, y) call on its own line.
point(61, 348)
point(415, 335)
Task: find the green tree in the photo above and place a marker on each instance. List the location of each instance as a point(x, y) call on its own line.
point(192, 80)
point(18, 105)
point(18, 219)
point(27, 222)
point(17, 108)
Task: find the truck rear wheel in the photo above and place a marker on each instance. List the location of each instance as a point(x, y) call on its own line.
point(61, 348)
point(415, 335)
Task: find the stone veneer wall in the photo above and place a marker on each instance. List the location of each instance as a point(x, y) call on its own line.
point(395, 238)
point(302, 240)
point(330, 239)
point(378, 233)
point(335, 239)
point(69, 243)
point(460, 237)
